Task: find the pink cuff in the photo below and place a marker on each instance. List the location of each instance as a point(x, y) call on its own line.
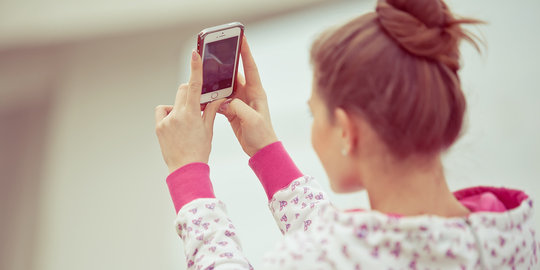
point(190, 182)
point(274, 168)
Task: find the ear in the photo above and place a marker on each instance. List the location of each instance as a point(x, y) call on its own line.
point(349, 129)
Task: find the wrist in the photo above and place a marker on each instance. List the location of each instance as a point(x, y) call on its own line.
point(190, 182)
point(263, 145)
point(274, 168)
point(173, 166)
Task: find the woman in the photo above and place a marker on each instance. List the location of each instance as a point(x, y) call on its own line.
point(386, 102)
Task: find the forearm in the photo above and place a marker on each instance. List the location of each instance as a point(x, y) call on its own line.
point(274, 168)
point(294, 199)
point(188, 183)
point(210, 238)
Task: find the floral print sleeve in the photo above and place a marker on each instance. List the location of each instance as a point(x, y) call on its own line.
point(297, 206)
point(210, 240)
point(294, 199)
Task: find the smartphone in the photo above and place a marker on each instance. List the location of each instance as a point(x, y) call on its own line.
point(219, 48)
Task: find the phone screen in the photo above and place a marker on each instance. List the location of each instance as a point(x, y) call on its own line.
point(218, 64)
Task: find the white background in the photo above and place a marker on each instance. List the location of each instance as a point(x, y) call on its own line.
point(101, 201)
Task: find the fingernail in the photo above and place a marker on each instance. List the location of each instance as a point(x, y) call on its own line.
point(194, 55)
point(223, 106)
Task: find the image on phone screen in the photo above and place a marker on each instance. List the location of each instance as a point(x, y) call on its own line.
point(218, 64)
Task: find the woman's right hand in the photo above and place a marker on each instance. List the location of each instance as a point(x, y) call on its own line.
point(247, 110)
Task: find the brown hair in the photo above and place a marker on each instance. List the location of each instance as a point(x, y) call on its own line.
point(397, 67)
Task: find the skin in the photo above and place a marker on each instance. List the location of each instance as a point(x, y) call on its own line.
point(184, 135)
point(355, 158)
point(351, 152)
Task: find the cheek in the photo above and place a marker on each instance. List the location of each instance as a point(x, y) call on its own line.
point(334, 165)
point(322, 144)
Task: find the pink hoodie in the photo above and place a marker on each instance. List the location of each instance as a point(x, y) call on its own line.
point(498, 233)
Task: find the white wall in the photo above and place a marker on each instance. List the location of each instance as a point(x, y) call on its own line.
point(45, 22)
point(103, 202)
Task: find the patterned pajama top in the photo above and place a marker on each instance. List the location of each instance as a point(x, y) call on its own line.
point(498, 233)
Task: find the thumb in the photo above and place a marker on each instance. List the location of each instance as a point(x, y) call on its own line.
point(237, 109)
point(209, 114)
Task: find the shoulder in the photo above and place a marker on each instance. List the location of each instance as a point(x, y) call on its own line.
point(327, 244)
point(301, 250)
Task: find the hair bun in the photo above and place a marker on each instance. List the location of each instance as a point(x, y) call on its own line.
point(424, 28)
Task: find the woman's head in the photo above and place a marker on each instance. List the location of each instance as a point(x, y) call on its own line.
point(392, 72)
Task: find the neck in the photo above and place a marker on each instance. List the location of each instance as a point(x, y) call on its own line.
point(416, 186)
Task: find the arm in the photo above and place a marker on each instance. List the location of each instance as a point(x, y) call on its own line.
point(294, 199)
point(210, 238)
point(185, 139)
point(297, 206)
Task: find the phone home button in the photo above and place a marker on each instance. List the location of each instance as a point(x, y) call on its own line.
point(214, 95)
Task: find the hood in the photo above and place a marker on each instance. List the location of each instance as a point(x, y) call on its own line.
point(502, 221)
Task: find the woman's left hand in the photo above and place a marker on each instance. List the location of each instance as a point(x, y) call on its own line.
point(184, 135)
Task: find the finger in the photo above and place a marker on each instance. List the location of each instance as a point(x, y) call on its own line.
point(180, 100)
point(250, 68)
point(240, 91)
point(162, 111)
point(240, 80)
point(210, 111)
point(193, 99)
point(237, 109)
